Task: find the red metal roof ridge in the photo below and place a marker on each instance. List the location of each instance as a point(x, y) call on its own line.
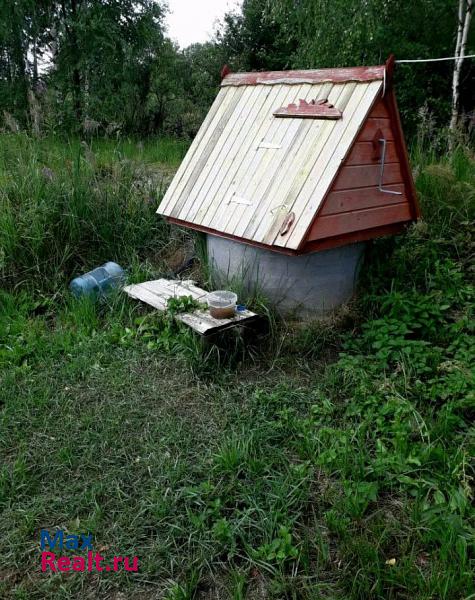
point(336, 75)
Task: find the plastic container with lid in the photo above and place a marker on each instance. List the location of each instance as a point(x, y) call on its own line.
point(222, 304)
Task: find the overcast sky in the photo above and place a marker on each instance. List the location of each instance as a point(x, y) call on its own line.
point(192, 21)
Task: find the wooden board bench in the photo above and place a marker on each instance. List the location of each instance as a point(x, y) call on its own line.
point(156, 293)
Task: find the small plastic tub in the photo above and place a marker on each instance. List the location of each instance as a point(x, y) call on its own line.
point(222, 304)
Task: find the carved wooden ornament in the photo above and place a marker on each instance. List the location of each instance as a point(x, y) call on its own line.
point(315, 109)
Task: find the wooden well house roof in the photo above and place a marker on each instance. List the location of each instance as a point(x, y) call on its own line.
point(297, 161)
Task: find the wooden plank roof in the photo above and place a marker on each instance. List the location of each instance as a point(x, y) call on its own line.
point(247, 171)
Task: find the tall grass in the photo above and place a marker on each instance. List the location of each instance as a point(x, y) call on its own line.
point(65, 207)
point(447, 192)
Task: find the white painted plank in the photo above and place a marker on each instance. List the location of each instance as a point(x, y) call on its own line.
point(202, 322)
point(174, 288)
point(204, 158)
point(228, 109)
point(308, 156)
point(207, 160)
point(198, 143)
point(157, 293)
point(189, 285)
point(268, 130)
point(272, 189)
point(251, 171)
point(265, 127)
point(238, 120)
point(269, 146)
point(221, 176)
point(138, 292)
point(217, 213)
point(265, 163)
point(239, 200)
point(275, 205)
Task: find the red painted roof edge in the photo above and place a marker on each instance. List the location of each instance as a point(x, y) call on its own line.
point(339, 75)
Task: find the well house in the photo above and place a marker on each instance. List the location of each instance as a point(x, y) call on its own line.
point(290, 173)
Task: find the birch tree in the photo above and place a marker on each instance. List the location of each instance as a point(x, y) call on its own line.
point(464, 17)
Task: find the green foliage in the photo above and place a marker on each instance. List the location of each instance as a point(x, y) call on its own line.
point(182, 304)
point(253, 39)
point(103, 53)
point(280, 549)
point(107, 68)
point(164, 333)
point(101, 68)
point(23, 30)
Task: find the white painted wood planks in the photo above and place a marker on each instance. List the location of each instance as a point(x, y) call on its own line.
point(247, 170)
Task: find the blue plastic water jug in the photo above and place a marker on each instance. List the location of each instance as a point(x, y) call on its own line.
point(99, 281)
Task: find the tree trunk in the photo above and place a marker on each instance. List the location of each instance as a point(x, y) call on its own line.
point(35, 62)
point(35, 113)
point(76, 73)
point(18, 64)
point(464, 17)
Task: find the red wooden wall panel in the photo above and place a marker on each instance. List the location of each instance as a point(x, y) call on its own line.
point(368, 218)
point(372, 125)
point(359, 176)
point(346, 200)
point(380, 110)
point(363, 153)
point(353, 237)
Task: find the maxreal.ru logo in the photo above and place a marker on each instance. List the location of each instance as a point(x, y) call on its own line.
point(90, 562)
